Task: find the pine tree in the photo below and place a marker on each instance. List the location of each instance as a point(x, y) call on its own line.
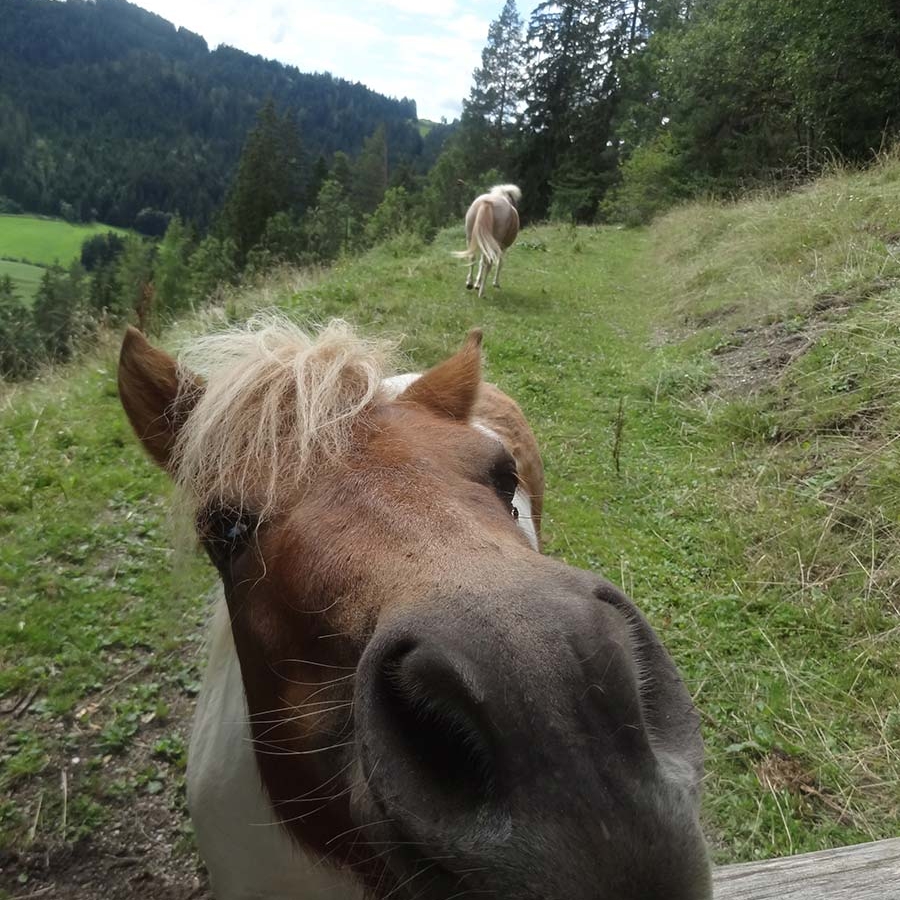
point(370, 173)
point(446, 196)
point(576, 51)
point(394, 216)
point(19, 350)
point(341, 172)
point(134, 273)
point(490, 111)
point(212, 264)
point(271, 178)
point(170, 269)
point(329, 223)
point(317, 178)
point(59, 312)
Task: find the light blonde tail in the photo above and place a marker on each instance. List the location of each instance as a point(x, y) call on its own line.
point(483, 234)
point(482, 237)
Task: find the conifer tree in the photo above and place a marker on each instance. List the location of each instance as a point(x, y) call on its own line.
point(212, 264)
point(59, 310)
point(317, 178)
point(576, 50)
point(19, 349)
point(271, 178)
point(370, 173)
point(170, 269)
point(489, 113)
point(134, 273)
point(329, 222)
point(341, 172)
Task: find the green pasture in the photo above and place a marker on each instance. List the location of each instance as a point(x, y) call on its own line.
point(717, 401)
point(25, 277)
point(44, 241)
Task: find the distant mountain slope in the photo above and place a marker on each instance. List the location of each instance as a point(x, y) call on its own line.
point(106, 109)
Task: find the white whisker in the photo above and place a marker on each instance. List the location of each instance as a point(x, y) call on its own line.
point(358, 828)
point(309, 662)
point(278, 751)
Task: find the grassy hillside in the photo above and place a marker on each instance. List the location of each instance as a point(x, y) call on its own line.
point(746, 355)
point(44, 241)
point(25, 277)
point(30, 243)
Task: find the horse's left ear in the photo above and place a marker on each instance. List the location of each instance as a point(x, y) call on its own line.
point(451, 387)
point(153, 394)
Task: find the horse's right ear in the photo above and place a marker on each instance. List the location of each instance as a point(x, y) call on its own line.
point(149, 390)
point(451, 387)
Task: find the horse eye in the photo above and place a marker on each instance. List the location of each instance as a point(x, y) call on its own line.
point(504, 480)
point(225, 530)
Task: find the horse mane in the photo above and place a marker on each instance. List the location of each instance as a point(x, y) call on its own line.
point(277, 403)
point(511, 191)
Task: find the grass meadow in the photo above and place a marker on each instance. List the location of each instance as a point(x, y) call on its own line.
point(30, 243)
point(718, 405)
point(25, 277)
point(44, 241)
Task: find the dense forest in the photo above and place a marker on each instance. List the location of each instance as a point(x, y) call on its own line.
point(613, 109)
point(107, 111)
point(598, 108)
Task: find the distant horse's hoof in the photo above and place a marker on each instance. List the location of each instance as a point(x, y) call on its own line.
point(469, 287)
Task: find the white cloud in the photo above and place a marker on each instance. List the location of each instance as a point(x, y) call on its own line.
point(436, 9)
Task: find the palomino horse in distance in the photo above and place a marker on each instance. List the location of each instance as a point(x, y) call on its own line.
point(404, 697)
point(492, 224)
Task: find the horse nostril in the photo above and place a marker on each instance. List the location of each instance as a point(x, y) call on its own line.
point(433, 715)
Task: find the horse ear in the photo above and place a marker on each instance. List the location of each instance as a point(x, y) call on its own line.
point(450, 388)
point(149, 390)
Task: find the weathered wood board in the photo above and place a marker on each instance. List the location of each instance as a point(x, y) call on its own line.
point(861, 872)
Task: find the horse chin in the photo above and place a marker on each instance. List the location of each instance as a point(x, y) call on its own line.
point(406, 867)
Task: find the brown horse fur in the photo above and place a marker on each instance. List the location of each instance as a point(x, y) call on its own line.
point(435, 708)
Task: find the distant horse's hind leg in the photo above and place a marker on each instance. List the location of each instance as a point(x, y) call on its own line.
point(469, 275)
point(483, 271)
point(479, 278)
point(497, 273)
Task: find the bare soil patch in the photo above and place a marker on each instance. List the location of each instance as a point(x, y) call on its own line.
point(753, 357)
point(141, 844)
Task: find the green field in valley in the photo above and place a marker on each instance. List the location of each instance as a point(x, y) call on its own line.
point(25, 277)
point(43, 241)
point(753, 513)
point(30, 243)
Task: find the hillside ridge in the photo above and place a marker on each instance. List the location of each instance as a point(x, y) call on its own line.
point(110, 109)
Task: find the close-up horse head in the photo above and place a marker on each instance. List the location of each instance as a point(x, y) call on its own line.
point(406, 698)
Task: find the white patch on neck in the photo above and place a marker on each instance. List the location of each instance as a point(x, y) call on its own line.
point(248, 853)
point(397, 384)
point(521, 500)
point(522, 503)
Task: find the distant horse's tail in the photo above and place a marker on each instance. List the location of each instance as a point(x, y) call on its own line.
point(482, 237)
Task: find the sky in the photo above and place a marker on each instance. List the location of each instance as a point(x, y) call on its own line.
point(422, 49)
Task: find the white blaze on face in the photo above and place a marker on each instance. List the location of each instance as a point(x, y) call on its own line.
point(397, 384)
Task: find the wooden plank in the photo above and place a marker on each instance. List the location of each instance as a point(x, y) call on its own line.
point(861, 872)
